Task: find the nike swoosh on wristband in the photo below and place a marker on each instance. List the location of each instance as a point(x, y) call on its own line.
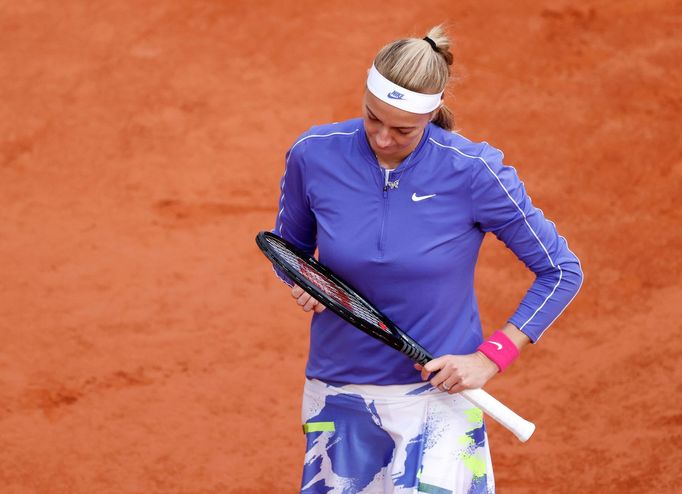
point(417, 198)
point(498, 345)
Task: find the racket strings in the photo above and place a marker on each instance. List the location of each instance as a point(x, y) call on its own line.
point(338, 293)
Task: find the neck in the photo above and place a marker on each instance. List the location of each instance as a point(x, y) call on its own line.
point(389, 165)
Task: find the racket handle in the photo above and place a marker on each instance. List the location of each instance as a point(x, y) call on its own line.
point(516, 424)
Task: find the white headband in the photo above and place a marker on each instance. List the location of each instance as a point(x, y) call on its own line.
point(400, 97)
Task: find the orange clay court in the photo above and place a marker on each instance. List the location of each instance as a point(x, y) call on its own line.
point(146, 346)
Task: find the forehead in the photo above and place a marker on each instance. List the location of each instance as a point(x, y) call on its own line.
point(390, 115)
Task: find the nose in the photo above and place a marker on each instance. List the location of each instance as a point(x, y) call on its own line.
point(382, 138)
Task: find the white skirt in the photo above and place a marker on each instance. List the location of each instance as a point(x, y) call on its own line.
point(396, 439)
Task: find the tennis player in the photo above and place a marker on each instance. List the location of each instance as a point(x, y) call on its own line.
point(397, 203)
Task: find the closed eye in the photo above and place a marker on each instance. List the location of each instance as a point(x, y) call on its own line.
point(401, 130)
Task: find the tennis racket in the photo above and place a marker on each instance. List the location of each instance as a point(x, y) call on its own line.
point(342, 299)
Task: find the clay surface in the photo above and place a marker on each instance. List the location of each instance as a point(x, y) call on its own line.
point(145, 344)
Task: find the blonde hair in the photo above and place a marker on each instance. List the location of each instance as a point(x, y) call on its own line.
point(413, 64)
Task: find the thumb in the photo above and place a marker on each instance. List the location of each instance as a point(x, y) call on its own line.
point(433, 365)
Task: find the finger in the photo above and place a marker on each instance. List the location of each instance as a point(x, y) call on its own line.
point(450, 385)
point(446, 379)
point(319, 307)
point(420, 368)
point(426, 372)
point(296, 291)
point(437, 380)
point(303, 299)
point(434, 365)
point(458, 387)
point(308, 306)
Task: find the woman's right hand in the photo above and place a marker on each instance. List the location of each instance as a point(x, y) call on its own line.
point(305, 300)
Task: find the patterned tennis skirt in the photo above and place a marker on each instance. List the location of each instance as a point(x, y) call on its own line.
point(399, 439)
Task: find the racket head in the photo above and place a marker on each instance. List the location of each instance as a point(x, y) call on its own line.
point(337, 295)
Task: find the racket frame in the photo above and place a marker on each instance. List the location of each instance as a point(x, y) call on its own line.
point(392, 335)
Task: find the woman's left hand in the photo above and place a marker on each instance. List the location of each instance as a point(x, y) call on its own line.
point(455, 373)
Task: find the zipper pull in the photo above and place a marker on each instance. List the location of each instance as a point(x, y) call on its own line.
point(386, 180)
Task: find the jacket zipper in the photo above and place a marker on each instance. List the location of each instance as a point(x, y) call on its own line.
point(385, 212)
point(387, 185)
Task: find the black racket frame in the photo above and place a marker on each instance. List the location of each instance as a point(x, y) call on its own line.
point(394, 336)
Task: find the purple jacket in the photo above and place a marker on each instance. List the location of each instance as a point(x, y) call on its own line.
point(408, 240)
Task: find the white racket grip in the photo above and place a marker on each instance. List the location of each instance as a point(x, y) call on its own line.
point(519, 426)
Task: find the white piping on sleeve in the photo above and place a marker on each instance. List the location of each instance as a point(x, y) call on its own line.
point(286, 167)
point(525, 219)
point(582, 280)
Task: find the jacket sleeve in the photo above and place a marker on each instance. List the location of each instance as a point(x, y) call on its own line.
point(501, 205)
point(295, 219)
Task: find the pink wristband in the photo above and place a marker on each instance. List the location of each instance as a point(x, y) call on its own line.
point(500, 349)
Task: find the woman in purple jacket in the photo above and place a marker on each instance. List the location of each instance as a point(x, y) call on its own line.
point(398, 204)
